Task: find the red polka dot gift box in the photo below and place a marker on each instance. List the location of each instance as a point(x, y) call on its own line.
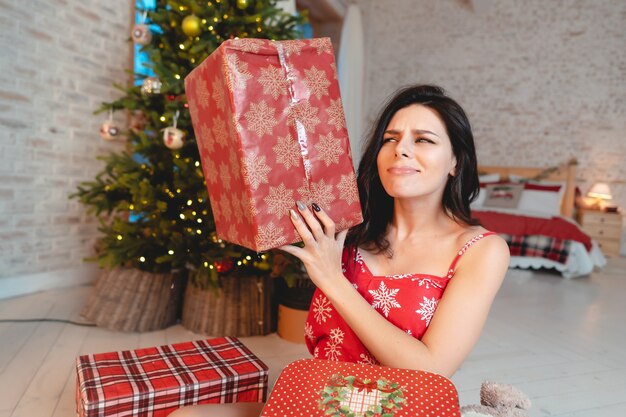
point(270, 128)
point(153, 382)
point(313, 387)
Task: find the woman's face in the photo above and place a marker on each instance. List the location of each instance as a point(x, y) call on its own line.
point(416, 156)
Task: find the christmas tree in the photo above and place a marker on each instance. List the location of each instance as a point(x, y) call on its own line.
point(152, 199)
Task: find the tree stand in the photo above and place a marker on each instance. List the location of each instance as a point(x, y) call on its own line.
point(131, 300)
point(239, 307)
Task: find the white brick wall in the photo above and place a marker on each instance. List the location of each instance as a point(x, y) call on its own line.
point(542, 81)
point(58, 61)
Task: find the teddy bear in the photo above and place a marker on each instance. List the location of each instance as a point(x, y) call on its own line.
point(498, 400)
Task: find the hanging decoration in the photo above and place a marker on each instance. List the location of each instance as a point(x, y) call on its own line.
point(191, 26)
point(151, 85)
point(141, 33)
point(172, 136)
point(138, 121)
point(109, 130)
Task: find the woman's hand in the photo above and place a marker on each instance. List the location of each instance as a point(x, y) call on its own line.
point(321, 254)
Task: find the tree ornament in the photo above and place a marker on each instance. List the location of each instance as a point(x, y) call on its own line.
point(173, 137)
point(242, 4)
point(151, 85)
point(141, 33)
point(191, 25)
point(138, 121)
point(109, 130)
point(224, 266)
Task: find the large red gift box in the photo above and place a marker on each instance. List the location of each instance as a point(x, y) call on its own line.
point(314, 387)
point(270, 128)
point(158, 380)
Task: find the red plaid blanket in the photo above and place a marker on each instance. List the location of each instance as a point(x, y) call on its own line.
point(155, 381)
point(552, 248)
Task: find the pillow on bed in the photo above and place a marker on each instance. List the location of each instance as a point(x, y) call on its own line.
point(484, 179)
point(504, 195)
point(542, 197)
point(537, 197)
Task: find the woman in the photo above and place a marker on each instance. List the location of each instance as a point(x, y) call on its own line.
point(429, 270)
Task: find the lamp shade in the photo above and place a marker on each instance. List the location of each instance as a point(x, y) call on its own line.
point(600, 190)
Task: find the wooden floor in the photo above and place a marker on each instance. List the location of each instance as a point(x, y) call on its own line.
point(563, 342)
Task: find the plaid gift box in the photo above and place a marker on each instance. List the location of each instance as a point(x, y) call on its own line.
point(270, 128)
point(314, 387)
point(156, 381)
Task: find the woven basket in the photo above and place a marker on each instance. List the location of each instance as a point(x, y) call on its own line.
point(241, 306)
point(131, 300)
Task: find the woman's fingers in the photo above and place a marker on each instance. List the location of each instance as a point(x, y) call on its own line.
point(311, 221)
point(341, 237)
point(327, 222)
point(301, 228)
point(293, 250)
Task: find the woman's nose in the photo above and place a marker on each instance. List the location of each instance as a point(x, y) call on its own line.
point(402, 149)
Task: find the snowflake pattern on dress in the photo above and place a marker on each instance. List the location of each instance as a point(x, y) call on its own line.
point(308, 331)
point(336, 335)
point(384, 298)
point(321, 309)
point(332, 351)
point(427, 309)
point(426, 282)
point(367, 359)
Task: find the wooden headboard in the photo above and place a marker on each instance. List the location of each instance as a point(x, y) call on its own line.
point(565, 172)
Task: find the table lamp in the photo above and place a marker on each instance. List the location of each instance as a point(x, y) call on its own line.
point(601, 194)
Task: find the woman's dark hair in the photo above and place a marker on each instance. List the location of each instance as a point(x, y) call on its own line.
point(460, 190)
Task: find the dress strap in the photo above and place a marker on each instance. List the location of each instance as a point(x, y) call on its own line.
point(464, 249)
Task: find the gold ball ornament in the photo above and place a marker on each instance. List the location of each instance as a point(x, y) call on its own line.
point(242, 4)
point(191, 25)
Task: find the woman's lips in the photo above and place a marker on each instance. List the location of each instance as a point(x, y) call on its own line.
point(402, 171)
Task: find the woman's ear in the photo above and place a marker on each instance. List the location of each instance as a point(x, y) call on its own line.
point(453, 170)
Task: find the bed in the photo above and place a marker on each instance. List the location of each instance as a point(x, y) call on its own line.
point(533, 209)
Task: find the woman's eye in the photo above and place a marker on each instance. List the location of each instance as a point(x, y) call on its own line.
point(423, 140)
point(386, 140)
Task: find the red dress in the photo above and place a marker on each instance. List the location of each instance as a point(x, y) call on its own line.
point(408, 301)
